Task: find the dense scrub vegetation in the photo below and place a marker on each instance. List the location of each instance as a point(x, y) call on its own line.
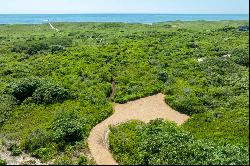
point(56, 84)
point(163, 143)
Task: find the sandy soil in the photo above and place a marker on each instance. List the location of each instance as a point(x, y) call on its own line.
point(144, 109)
point(22, 159)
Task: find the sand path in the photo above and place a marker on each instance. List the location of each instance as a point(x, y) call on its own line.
point(144, 109)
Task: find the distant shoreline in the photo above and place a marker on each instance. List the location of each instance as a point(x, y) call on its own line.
point(124, 22)
point(121, 14)
point(116, 18)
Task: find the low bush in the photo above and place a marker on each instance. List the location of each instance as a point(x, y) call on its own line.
point(82, 160)
point(240, 56)
point(15, 150)
point(35, 140)
point(66, 127)
point(3, 162)
point(38, 90)
point(6, 106)
point(50, 93)
point(30, 48)
point(63, 160)
point(46, 45)
point(44, 154)
point(56, 48)
point(23, 88)
point(164, 143)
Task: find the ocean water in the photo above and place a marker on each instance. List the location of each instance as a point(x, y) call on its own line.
point(127, 18)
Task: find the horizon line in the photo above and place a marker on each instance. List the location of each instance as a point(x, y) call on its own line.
point(128, 13)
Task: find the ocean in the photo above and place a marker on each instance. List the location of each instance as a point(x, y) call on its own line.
point(127, 18)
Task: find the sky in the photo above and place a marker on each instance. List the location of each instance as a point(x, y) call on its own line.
point(124, 6)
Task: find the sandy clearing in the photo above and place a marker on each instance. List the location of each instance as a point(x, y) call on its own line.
point(18, 160)
point(144, 109)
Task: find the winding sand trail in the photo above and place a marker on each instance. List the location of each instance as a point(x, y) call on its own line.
point(145, 109)
point(52, 27)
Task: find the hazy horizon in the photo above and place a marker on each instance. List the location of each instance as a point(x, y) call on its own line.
point(124, 7)
point(126, 13)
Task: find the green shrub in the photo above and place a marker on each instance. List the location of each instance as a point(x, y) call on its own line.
point(3, 162)
point(163, 76)
point(50, 93)
point(82, 160)
point(56, 48)
point(15, 150)
point(241, 56)
point(192, 45)
point(59, 40)
point(227, 28)
point(6, 106)
point(164, 143)
point(64, 160)
point(23, 88)
point(44, 154)
point(30, 48)
point(35, 140)
point(66, 127)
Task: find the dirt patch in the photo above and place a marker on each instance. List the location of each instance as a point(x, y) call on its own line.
point(144, 109)
point(22, 159)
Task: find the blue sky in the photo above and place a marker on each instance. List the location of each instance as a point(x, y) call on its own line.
point(124, 6)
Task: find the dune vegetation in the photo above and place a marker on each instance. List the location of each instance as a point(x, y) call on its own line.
point(55, 87)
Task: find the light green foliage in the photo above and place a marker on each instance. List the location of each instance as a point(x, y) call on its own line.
point(229, 125)
point(63, 160)
point(82, 160)
point(3, 162)
point(45, 154)
point(6, 105)
point(164, 143)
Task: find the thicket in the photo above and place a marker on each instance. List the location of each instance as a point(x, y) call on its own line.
point(65, 130)
point(41, 91)
point(32, 47)
point(164, 143)
point(202, 67)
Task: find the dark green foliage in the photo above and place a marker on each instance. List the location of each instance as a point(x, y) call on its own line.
point(163, 143)
point(34, 47)
point(36, 139)
point(40, 91)
point(241, 56)
point(192, 45)
point(30, 49)
point(82, 160)
point(66, 127)
point(23, 88)
point(163, 76)
point(227, 28)
point(50, 93)
point(15, 150)
point(56, 48)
